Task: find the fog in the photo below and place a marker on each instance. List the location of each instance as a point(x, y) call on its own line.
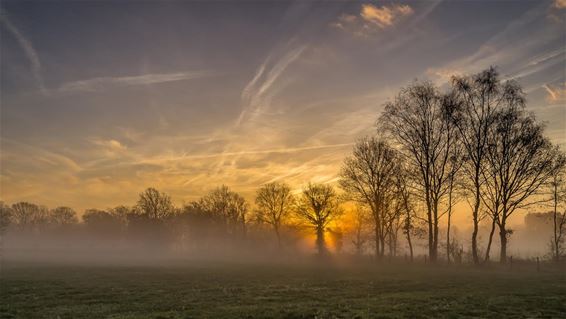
point(179, 241)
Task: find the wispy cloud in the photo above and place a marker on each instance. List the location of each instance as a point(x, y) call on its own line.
point(258, 92)
point(28, 48)
point(555, 94)
point(102, 83)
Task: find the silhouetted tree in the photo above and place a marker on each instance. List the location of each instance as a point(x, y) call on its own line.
point(558, 196)
point(405, 197)
point(479, 98)
point(155, 205)
point(318, 205)
point(5, 217)
point(28, 216)
point(519, 162)
point(368, 177)
point(101, 223)
point(417, 120)
point(227, 208)
point(360, 220)
point(275, 203)
point(63, 216)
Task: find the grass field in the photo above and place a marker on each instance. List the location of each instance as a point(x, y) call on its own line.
point(223, 290)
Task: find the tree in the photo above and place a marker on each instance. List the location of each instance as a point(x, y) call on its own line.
point(368, 177)
point(63, 216)
point(275, 203)
point(405, 196)
point(418, 121)
point(558, 196)
point(360, 217)
point(28, 216)
point(155, 205)
point(227, 208)
point(520, 161)
point(5, 217)
point(318, 205)
point(102, 223)
point(479, 97)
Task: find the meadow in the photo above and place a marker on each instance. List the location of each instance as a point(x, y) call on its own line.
point(284, 290)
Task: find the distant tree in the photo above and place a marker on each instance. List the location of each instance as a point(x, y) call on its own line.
point(318, 205)
point(360, 220)
point(479, 98)
point(558, 196)
point(155, 205)
point(28, 216)
point(368, 177)
point(100, 222)
point(520, 161)
point(227, 208)
point(417, 121)
point(5, 216)
point(63, 216)
point(275, 203)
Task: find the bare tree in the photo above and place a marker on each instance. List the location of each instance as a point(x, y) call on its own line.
point(417, 121)
point(360, 217)
point(275, 203)
point(154, 204)
point(520, 161)
point(368, 177)
point(228, 208)
point(318, 205)
point(479, 97)
point(405, 198)
point(63, 216)
point(28, 216)
point(5, 217)
point(558, 196)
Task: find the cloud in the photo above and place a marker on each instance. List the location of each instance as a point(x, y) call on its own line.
point(29, 50)
point(384, 16)
point(555, 94)
point(559, 4)
point(257, 94)
point(372, 18)
point(102, 83)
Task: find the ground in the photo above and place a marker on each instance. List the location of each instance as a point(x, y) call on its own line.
point(228, 290)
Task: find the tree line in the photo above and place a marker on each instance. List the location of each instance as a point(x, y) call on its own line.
point(473, 142)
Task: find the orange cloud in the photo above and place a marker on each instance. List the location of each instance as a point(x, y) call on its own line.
point(372, 18)
point(384, 16)
point(559, 4)
point(555, 94)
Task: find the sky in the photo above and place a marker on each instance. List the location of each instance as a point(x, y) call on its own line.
point(100, 100)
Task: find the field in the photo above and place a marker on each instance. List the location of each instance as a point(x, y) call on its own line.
point(223, 290)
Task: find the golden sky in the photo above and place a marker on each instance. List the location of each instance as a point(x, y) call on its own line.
point(102, 100)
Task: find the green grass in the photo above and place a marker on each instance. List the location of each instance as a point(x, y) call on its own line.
point(279, 291)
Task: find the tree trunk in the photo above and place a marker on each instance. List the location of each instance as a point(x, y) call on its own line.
point(556, 248)
point(429, 222)
point(410, 244)
point(276, 228)
point(434, 254)
point(475, 213)
point(490, 240)
point(320, 241)
point(448, 237)
point(503, 238)
point(377, 238)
